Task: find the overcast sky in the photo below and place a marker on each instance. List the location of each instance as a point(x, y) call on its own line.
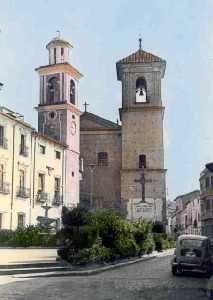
point(102, 32)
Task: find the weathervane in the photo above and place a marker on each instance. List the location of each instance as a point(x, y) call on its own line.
point(140, 42)
point(59, 34)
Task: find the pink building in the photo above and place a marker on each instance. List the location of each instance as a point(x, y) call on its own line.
point(58, 113)
point(188, 213)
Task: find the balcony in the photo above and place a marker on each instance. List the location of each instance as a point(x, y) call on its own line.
point(24, 150)
point(23, 192)
point(57, 199)
point(3, 142)
point(4, 188)
point(207, 214)
point(41, 196)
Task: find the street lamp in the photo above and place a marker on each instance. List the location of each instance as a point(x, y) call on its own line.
point(92, 168)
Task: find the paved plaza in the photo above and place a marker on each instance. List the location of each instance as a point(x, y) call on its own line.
point(148, 280)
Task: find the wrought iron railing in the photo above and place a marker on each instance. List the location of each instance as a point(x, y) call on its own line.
point(23, 192)
point(4, 188)
point(57, 199)
point(41, 196)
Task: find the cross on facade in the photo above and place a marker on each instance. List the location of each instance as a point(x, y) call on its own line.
point(142, 181)
point(85, 106)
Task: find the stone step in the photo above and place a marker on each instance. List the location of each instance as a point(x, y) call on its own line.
point(34, 270)
point(32, 264)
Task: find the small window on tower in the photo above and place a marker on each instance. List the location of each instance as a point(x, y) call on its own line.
point(142, 161)
point(72, 91)
point(62, 54)
point(103, 159)
point(54, 55)
point(141, 94)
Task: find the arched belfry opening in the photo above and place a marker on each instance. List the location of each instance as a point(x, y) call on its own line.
point(53, 90)
point(72, 91)
point(141, 90)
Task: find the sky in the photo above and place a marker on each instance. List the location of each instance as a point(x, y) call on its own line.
point(102, 32)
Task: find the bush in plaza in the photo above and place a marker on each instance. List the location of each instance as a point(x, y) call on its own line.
point(116, 233)
point(158, 227)
point(143, 236)
point(26, 237)
point(105, 236)
point(6, 237)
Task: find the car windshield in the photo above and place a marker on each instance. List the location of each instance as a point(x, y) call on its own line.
point(191, 243)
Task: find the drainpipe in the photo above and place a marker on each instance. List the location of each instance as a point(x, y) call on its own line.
point(12, 187)
point(34, 162)
point(62, 181)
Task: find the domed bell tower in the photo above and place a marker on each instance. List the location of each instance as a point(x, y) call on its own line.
point(58, 112)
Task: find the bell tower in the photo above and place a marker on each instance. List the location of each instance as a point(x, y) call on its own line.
point(58, 112)
point(142, 130)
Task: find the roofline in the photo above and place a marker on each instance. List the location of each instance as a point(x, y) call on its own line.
point(38, 134)
point(17, 120)
point(187, 194)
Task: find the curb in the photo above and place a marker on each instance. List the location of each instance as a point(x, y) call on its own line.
point(87, 272)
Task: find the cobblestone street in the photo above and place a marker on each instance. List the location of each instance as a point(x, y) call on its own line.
point(150, 280)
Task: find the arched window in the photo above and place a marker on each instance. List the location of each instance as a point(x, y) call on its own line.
point(102, 159)
point(53, 91)
point(141, 90)
point(72, 91)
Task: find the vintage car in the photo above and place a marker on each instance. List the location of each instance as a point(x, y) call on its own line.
point(194, 253)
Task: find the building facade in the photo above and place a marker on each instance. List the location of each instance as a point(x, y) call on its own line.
point(206, 188)
point(31, 173)
point(116, 155)
point(188, 213)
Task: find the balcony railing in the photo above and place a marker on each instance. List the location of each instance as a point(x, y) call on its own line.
point(24, 150)
point(41, 196)
point(57, 199)
point(4, 188)
point(23, 192)
point(3, 142)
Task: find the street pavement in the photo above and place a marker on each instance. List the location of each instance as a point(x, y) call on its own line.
point(148, 280)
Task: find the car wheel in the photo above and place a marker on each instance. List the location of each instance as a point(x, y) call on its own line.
point(174, 270)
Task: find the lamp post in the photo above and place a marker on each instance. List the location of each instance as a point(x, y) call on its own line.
point(92, 168)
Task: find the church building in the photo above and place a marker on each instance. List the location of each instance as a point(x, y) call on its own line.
point(124, 163)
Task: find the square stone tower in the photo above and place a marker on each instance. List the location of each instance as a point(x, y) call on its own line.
point(58, 113)
point(142, 133)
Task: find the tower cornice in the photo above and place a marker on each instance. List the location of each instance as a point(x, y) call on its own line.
point(59, 106)
point(58, 68)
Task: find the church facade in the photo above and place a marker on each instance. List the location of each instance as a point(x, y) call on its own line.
point(124, 164)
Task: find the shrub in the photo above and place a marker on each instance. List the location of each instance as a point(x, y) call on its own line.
point(96, 253)
point(143, 236)
point(126, 247)
point(6, 237)
point(158, 227)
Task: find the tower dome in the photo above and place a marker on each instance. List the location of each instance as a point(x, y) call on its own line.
point(58, 50)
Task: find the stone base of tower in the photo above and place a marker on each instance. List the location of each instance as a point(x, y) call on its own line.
point(155, 190)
